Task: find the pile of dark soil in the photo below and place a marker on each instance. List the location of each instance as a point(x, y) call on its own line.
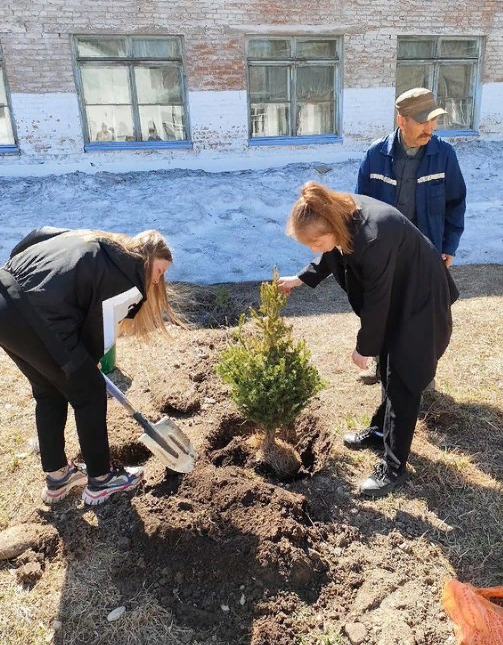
point(238, 555)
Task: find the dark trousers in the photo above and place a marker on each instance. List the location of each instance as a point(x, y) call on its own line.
point(84, 390)
point(396, 416)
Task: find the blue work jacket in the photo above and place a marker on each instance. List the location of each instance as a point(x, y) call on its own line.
point(440, 190)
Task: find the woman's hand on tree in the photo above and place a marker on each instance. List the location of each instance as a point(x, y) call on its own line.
point(359, 360)
point(287, 283)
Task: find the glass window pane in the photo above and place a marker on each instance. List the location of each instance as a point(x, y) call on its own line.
point(269, 84)
point(106, 84)
point(162, 122)
point(270, 120)
point(315, 83)
point(459, 49)
point(416, 48)
point(316, 49)
point(156, 48)
point(101, 48)
point(455, 96)
point(110, 123)
point(410, 76)
point(258, 48)
point(6, 134)
point(158, 85)
point(455, 81)
point(316, 118)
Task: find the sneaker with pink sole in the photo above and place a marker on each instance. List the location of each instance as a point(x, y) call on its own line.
point(118, 479)
point(57, 489)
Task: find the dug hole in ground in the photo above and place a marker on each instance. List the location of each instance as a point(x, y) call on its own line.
point(230, 555)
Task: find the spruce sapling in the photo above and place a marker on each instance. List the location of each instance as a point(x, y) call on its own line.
point(270, 376)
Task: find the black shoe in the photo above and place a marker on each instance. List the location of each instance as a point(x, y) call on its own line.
point(367, 438)
point(382, 481)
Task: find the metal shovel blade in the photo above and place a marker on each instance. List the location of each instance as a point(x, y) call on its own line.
point(169, 444)
point(164, 439)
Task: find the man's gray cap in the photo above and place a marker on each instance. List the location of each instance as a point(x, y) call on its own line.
point(419, 103)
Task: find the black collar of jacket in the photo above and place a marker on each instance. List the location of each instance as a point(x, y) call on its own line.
point(132, 265)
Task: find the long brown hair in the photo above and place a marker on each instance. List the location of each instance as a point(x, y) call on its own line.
point(149, 245)
point(320, 210)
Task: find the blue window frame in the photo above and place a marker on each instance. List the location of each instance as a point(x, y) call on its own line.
point(132, 91)
point(294, 89)
point(8, 136)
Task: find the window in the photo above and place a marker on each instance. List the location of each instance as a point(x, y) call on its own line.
point(293, 88)
point(131, 90)
point(447, 66)
point(7, 133)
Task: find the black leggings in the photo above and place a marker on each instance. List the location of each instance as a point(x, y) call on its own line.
point(84, 390)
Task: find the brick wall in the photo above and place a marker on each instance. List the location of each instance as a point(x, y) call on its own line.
point(36, 41)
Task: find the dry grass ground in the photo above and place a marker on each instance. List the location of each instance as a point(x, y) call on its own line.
point(457, 464)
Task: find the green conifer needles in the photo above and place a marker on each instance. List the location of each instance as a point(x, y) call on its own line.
point(270, 374)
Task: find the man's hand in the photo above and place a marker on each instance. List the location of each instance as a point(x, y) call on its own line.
point(448, 259)
point(287, 283)
point(359, 360)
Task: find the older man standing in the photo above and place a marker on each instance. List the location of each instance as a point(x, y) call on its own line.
point(419, 174)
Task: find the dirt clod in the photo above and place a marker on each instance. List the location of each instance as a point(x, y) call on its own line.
point(356, 632)
point(29, 573)
point(17, 539)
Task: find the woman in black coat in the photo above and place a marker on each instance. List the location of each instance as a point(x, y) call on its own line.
point(62, 295)
point(398, 285)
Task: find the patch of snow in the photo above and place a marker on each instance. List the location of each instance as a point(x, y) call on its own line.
point(229, 226)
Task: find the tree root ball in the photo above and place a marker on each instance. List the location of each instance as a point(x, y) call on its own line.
point(281, 457)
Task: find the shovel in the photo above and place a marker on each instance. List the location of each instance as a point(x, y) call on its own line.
point(164, 439)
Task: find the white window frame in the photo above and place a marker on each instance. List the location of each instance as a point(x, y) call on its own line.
point(14, 146)
point(130, 61)
point(436, 61)
point(293, 62)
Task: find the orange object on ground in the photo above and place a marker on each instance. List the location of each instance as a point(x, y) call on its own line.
point(478, 621)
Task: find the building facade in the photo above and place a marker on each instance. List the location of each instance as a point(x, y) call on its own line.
point(235, 83)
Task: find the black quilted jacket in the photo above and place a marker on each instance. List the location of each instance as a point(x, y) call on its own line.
point(59, 281)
